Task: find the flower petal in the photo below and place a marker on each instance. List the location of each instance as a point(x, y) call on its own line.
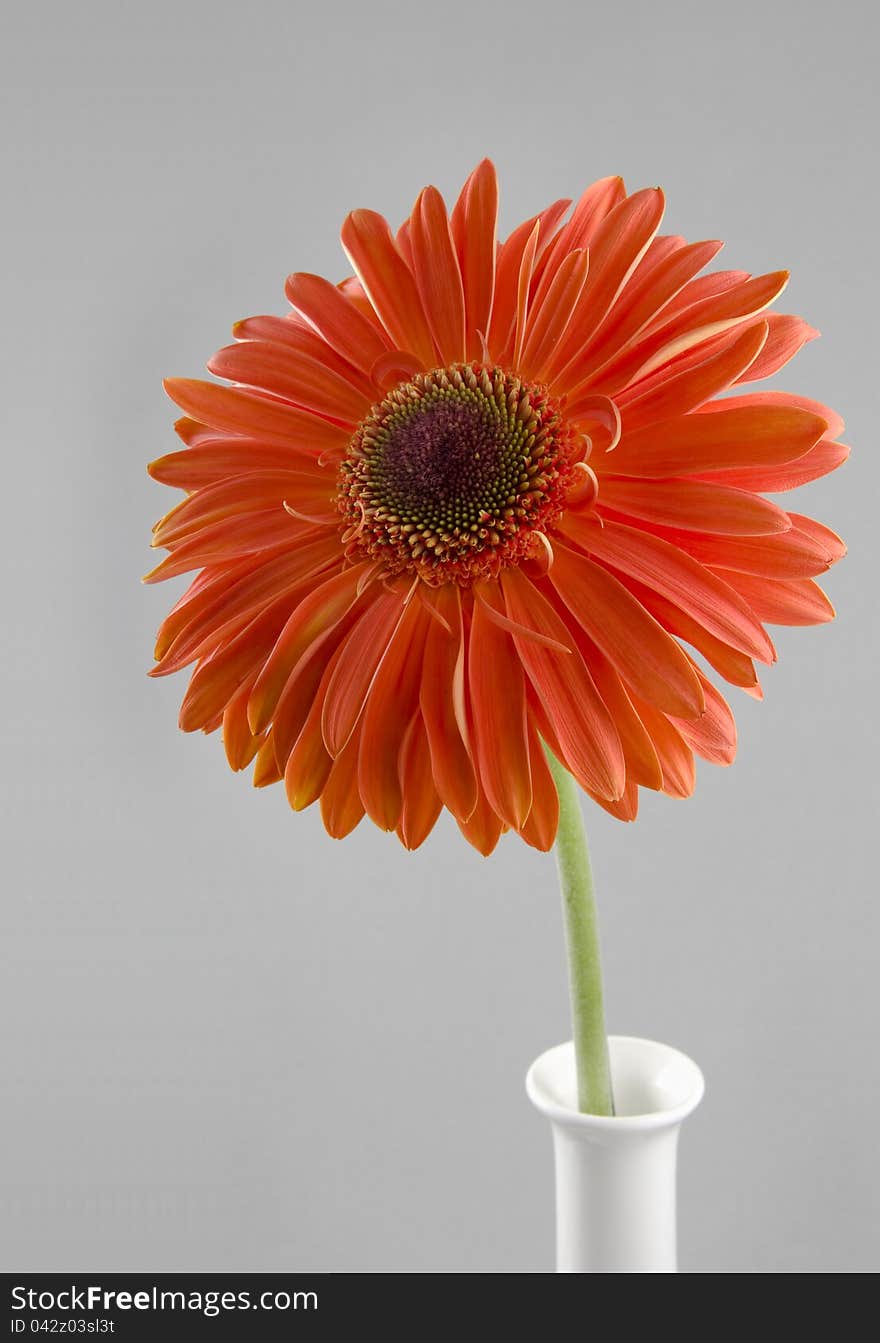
point(713, 734)
point(510, 255)
point(215, 681)
point(316, 616)
point(338, 320)
point(786, 601)
point(678, 392)
point(694, 505)
point(640, 649)
point(483, 828)
point(240, 744)
point(361, 654)
point(728, 438)
point(774, 477)
point(689, 320)
point(222, 542)
point(642, 764)
point(653, 284)
point(249, 493)
point(619, 244)
point(677, 576)
point(474, 228)
point(297, 377)
point(233, 410)
point(551, 314)
point(539, 830)
point(497, 693)
point(734, 666)
point(438, 277)
point(785, 336)
point(392, 700)
point(442, 701)
point(792, 554)
point(675, 756)
point(388, 282)
point(421, 804)
point(341, 805)
point(214, 459)
point(583, 729)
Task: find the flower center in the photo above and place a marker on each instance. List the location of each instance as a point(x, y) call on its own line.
point(452, 474)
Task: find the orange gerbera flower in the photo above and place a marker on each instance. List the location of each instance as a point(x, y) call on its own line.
point(477, 497)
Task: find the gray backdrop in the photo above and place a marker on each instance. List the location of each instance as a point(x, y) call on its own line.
point(229, 1042)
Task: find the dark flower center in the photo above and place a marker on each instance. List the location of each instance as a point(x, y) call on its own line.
point(451, 474)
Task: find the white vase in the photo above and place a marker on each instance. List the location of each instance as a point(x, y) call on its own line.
point(615, 1177)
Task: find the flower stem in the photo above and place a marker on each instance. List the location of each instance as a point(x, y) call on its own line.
point(582, 945)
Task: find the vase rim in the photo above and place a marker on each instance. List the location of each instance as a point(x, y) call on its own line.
point(666, 1071)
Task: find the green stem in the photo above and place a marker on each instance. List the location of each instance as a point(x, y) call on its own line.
point(582, 945)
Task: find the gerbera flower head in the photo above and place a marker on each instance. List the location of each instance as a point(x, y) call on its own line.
point(484, 497)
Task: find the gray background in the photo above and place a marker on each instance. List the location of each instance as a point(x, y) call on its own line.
point(228, 1042)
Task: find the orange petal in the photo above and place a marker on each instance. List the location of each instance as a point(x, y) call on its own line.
point(239, 742)
point(388, 282)
point(231, 539)
point(619, 244)
point(215, 459)
point(704, 308)
point(734, 666)
point(309, 763)
point(524, 280)
point(624, 808)
point(498, 697)
point(785, 400)
point(713, 734)
point(825, 457)
point(727, 438)
point(306, 683)
point(391, 701)
point(250, 493)
point(442, 700)
point(786, 335)
point(677, 393)
point(820, 535)
point(341, 805)
point(215, 681)
point(483, 828)
point(584, 731)
point(266, 769)
point(793, 554)
point(341, 323)
point(693, 505)
point(361, 654)
point(220, 610)
point(510, 255)
point(662, 273)
point(540, 828)
point(786, 601)
point(474, 228)
point(312, 619)
point(293, 332)
point(294, 376)
point(677, 576)
point(421, 805)
point(550, 315)
point(675, 756)
point(640, 649)
point(594, 206)
point(236, 411)
point(642, 765)
point(394, 367)
point(438, 278)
